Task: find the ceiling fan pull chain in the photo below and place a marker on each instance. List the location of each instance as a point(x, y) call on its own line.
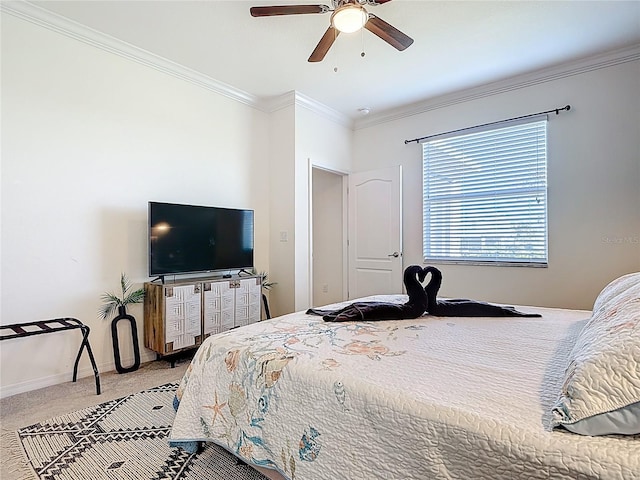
point(336, 54)
point(362, 54)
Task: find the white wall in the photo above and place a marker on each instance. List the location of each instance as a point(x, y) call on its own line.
point(593, 176)
point(320, 142)
point(88, 138)
point(299, 138)
point(282, 207)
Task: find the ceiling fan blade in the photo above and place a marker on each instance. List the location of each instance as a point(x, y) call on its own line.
point(377, 2)
point(324, 44)
point(388, 33)
point(287, 10)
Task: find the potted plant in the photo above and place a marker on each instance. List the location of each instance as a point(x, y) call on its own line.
point(113, 303)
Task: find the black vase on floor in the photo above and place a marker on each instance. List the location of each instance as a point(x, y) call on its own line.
point(123, 315)
point(266, 306)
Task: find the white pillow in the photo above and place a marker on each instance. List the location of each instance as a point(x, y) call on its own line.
point(615, 288)
point(601, 387)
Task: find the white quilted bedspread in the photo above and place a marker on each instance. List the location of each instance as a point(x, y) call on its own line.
point(430, 398)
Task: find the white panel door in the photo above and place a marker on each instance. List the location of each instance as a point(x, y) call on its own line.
point(375, 232)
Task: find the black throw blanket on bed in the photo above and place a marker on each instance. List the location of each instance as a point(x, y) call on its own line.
point(413, 308)
point(420, 300)
point(462, 307)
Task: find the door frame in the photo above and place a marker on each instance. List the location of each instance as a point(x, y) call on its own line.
point(345, 226)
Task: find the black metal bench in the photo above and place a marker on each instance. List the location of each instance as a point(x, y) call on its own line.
point(19, 330)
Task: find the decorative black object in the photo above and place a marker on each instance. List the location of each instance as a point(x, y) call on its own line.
point(413, 308)
point(123, 315)
point(420, 301)
point(463, 307)
point(266, 306)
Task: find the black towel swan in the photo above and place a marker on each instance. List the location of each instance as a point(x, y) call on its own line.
point(461, 307)
point(413, 308)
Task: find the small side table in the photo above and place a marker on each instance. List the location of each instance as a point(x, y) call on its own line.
point(19, 330)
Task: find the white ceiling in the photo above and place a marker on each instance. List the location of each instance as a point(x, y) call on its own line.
point(458, 44)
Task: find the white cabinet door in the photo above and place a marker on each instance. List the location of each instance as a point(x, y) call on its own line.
point(183, 315)
point(218, 305)
point(247, 301)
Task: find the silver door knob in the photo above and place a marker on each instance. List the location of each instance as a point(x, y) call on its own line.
point(394, 255)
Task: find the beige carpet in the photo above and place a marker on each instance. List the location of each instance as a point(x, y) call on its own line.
point(28, 408)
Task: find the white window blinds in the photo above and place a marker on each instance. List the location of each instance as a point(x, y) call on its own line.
point(485, 196)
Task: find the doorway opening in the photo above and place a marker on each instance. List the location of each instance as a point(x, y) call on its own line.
point(328, 237)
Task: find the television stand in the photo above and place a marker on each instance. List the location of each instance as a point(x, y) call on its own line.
point(181, 315)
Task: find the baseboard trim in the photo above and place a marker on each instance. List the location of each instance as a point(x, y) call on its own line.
point(50, 380)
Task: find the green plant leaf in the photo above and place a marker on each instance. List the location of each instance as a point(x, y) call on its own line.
point(106, 310)
point(266, 285)
point(111, 298)
point(112, 301)
point(134, 297)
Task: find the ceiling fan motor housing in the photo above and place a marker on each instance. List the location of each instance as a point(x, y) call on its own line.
point(349, 17)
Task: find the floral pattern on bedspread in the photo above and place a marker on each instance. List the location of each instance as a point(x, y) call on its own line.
point(246, 376)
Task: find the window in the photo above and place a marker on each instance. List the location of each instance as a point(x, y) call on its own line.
point(485, 196)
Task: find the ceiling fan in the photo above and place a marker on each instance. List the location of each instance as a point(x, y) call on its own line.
point(348, 16)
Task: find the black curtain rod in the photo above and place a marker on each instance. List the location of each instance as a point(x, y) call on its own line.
point(556, 110)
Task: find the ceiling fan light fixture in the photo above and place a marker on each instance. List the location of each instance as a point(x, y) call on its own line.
point(349, 18)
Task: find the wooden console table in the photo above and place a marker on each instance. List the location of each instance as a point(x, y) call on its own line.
point(19, 330)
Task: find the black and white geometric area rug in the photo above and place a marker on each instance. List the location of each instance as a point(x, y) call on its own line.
point(124, 439)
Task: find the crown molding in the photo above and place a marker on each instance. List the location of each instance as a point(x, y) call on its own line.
point(59, 24)
point(273, 104)
point(295, 98)
point(323, 110)
point(564, 70)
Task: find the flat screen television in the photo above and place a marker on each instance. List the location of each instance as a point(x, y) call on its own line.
point(194, 239)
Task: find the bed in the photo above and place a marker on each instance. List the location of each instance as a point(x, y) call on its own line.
point(428, 398)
